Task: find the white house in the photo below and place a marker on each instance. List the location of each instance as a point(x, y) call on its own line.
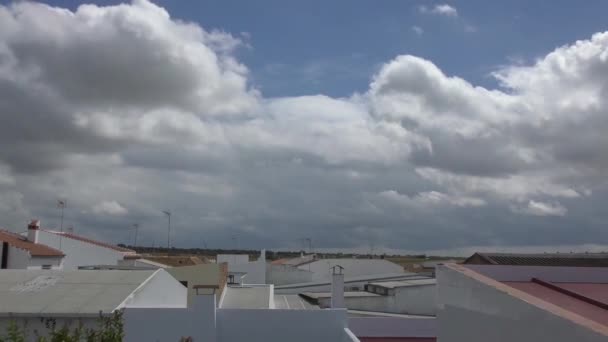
point(415, 296)
point(70, 298)
point(244, 313)
point(20, 252)
point(254, 271)
point(79, 250)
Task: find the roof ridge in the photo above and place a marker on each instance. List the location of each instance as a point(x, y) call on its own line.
point(89, 240)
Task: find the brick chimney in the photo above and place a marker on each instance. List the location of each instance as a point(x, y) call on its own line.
point(32, 231)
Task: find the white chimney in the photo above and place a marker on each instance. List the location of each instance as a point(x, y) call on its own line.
point(337, 287)
point(32, 230)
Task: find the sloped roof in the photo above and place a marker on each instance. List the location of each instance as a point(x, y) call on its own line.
point(91, 241)
point(545, 259)
point(77, 293)
point(35, 249)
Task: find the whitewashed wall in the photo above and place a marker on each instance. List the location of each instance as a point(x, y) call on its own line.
point(204, 324)
point(38, 262)
point(17, 258)
point(472, 311)
point(236, 325)
point(79, 253)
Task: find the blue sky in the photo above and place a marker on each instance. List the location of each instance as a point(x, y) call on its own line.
point(333, 47)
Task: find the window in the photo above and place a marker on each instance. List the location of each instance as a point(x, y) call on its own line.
point(184, 282)
point(46, 267)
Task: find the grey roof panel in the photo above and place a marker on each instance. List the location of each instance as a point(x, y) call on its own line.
point(404, 283)
point(51, 292)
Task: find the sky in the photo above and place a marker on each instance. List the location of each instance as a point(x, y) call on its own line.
point(393, 126)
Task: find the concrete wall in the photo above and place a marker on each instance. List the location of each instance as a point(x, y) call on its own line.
point(282, 325)
point(469, 310)
point(79, 253)
point(170, 324)
point(285, 274)
point(393, 327)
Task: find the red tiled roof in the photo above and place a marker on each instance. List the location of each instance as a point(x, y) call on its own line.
point(35, 249)
point(91, 241)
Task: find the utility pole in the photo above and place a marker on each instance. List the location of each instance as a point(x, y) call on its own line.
point(62, 204)
point(168, 213)
point(309, 245)
point(136, 227)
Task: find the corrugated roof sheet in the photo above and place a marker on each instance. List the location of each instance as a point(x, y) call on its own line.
point(546, 259)
point(68, 293)
point(35, 249)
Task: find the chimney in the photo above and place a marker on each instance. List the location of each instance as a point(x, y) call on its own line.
point(337, 287)
point(32, 230)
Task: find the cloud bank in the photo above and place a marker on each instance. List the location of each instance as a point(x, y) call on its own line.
point(129, 104)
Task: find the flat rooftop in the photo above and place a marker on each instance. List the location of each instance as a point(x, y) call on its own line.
point(246, 297)
point(293, 302)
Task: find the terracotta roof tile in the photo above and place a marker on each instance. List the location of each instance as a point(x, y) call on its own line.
point(35, 249)
point(91, 241)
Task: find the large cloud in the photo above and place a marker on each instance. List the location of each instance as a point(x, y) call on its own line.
point(126, 111)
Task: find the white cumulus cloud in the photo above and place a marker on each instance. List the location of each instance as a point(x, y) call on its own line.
point(110, 208)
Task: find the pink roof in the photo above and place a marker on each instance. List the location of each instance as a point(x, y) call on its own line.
point(577, 294)
point(91, 241)
point(568, 302)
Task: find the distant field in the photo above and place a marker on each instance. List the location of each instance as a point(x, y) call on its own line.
point(406, 260)
point(403, 261)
